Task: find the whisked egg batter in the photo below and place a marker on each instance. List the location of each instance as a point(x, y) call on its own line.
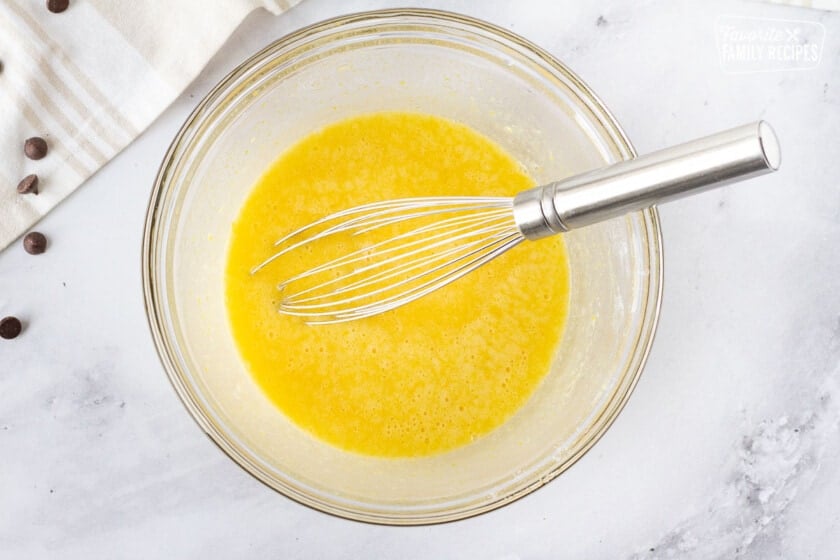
point(430, 376)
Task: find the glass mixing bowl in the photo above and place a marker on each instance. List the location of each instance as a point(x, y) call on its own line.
point(408, 60)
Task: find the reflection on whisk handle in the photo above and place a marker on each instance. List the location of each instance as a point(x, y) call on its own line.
point(690, 168)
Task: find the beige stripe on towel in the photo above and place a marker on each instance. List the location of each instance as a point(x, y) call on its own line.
point(87, 84)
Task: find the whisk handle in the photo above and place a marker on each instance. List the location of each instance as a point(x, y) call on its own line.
point(732, 155)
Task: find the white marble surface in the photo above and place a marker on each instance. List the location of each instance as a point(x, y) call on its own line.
point(729, 447)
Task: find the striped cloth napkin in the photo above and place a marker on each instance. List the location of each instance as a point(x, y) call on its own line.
point(89, 80)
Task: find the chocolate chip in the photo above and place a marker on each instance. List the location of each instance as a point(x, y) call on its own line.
point(34, 243)
point(35, 147)
point(10, 327)
point(28, 185)
point(57, 6)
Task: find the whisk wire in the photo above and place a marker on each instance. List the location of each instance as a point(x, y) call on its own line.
point(392, 302)
point(392, 272)
point(434, 205)
point(362, 254)
point(395, 271)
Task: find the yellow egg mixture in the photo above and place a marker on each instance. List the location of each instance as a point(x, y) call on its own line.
point(430, 376)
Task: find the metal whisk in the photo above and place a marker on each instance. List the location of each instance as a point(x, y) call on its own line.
point(431, 242)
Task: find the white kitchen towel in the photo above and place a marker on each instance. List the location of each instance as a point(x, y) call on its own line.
point(91, 79)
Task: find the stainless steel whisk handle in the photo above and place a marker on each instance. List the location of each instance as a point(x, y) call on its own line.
point(732, 155)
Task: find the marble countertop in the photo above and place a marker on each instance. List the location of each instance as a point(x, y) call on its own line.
point(729, 447)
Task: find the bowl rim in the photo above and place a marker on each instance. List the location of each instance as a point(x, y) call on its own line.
point(163, 347)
